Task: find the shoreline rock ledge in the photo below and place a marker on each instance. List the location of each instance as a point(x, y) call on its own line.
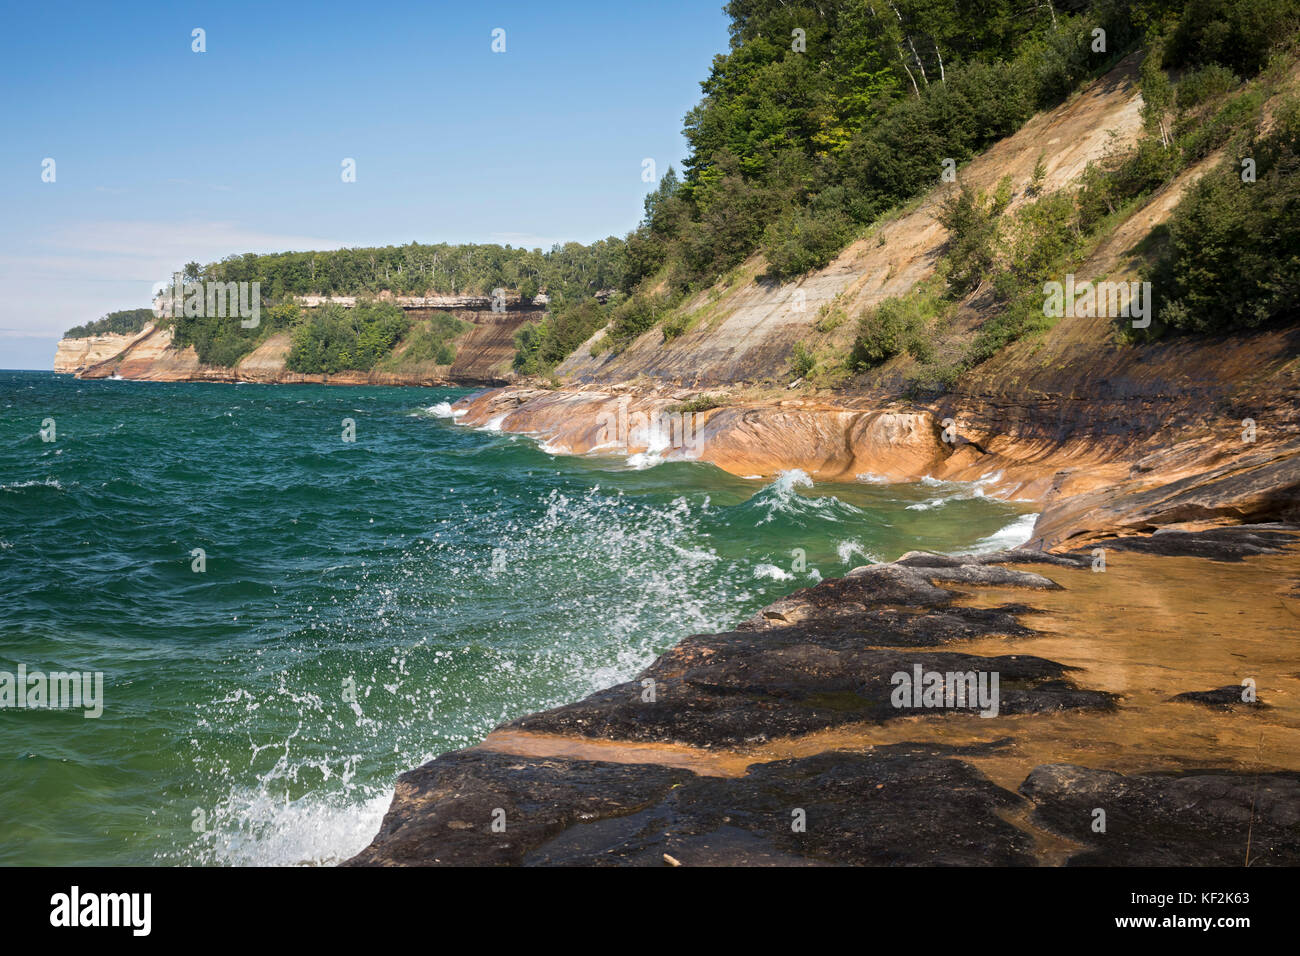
point(782, 742)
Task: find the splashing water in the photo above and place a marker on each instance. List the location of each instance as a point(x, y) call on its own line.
point(364, 607)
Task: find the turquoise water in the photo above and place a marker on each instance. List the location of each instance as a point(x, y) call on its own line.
point(456, 578)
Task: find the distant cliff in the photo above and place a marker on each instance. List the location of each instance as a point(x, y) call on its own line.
point(483, 352)
point(78, 353)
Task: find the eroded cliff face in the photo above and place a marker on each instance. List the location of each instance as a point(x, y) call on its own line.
point(744, 330)
point(1107, 436)
point(73, 355)
point(1148, 454)
point(484, 352)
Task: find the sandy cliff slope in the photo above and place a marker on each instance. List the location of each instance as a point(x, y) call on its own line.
point(746, 329)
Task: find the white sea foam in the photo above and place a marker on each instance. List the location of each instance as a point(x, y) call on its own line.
point(658, 441)
point(257, 828)
point(954, 491)
point(781, 498)
point(43, 483)
point(642, 460)
point(787, 481)
point(1013, 535)
point(929, 504)
point(847, 549)
point(444, 410)
point(772, 572)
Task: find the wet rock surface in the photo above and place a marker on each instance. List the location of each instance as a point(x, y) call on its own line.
point(723, 689)
point(1217, 544)
point(823, 658)
point(1248, 489)
point(444, 811)
point(1200, 818)
point(925, 559)
point(827, 656)
point(1221, 698)
point(887, 807)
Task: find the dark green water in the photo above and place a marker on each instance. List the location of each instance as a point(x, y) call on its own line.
point(456, 578)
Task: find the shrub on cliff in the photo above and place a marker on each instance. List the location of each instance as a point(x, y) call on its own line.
point(971, 219)
point(635, 316)
point(1042, 235)
point(1232, 257)
point(334, 339)
point(802, 361)
point(1120, 177)
point(700, 403)
point(542, 345)
point(803, 240)
point(889, 329)
point(427, 342)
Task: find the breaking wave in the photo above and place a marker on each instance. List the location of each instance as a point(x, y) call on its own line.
point(780, 499)
point(444, 410)
point(1012, 536)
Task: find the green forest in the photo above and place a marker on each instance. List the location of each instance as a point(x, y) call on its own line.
point(571, 270)
point(571, 274)
point(125, 322)
point(822, 117)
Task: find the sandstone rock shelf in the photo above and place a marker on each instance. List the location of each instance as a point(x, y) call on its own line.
point(788, 718)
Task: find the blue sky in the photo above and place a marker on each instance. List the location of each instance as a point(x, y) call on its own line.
point(163, 155)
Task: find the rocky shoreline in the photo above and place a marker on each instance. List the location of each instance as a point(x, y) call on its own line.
point(1191, 468)
point(778, 743)
point(1160, 588)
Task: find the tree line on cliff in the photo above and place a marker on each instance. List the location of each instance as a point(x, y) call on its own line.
point(122, 322)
